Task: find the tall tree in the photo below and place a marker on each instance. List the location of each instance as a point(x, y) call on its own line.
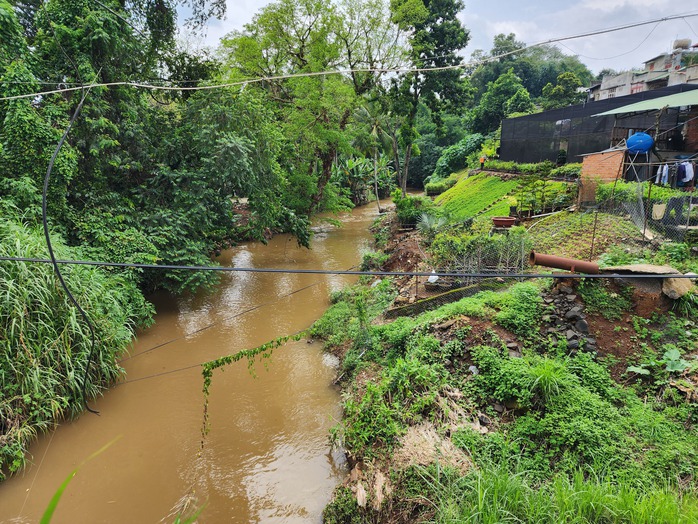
point(435, 37)
point(564, 93)
point(535, 66)
point(302, 38)
point(499, 98)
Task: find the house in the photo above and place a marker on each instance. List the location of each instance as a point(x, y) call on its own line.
point(680, 66)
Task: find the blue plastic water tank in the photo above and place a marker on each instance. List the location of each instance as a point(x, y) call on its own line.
point(640, 143)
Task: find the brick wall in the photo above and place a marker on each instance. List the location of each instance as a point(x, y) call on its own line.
point(599, 167)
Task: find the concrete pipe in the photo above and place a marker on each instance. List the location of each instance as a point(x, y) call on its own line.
point(570, 264)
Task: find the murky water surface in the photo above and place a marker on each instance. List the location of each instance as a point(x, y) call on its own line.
point(267, 457)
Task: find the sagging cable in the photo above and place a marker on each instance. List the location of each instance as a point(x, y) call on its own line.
point(54, 262)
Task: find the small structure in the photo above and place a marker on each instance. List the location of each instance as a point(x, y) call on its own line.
point(591, 127)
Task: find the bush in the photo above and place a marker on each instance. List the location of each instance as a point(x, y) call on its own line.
point(410, 208)
point(456, 157)
point(568, 171)
point(436, 187)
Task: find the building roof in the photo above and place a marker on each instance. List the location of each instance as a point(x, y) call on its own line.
point(686, 98)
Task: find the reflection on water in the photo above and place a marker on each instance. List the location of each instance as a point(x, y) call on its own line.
point(267, 457)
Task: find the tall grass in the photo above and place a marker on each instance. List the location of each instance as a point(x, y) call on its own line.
point(495, 494)
point(44, 344)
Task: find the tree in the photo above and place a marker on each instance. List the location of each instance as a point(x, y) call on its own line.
point(304, 37)
point(519, 103)
point(435, 37)
point(565, 92)
point(497, 101)
point(535, 66)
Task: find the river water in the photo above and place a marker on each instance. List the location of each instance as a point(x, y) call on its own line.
point(267, 457)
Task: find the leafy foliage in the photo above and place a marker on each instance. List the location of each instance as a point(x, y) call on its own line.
point(45, 345)
point(455, 157)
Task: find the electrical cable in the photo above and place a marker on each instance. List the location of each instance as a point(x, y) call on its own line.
point(227, 269)
point(54, 261)
point(217, 322)
point(616, 56)
point(468, 65)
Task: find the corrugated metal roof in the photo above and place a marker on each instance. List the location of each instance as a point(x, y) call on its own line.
point(687, 98)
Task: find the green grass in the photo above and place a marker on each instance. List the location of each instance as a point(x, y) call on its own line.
point(494, 494)
point(472, 195)
point(570, 234)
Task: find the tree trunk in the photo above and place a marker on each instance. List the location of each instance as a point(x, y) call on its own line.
point(405, 170)
point(327, 159)
point(375, 177)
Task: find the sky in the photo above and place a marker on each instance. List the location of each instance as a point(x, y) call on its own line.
point(534, 22)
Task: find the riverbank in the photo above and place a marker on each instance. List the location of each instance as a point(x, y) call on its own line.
point(544, 402)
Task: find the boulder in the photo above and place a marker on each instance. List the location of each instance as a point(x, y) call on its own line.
point(675, 288)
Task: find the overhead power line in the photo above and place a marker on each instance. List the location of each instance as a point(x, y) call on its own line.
point(254, 80)
point(228, 269)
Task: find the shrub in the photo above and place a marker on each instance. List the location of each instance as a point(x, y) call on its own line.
point(438, 186)
point(410, 208)
point(568, 171)
point(456, 156)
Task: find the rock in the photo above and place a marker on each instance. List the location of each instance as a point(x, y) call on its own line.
point(565, 289)
point(573, 313)
point(548, 300)
point(498, 407)
point(361, 497)
point(484, 419)
point(642, 268)
point(514, 353)
point(473, 370)
point(512, 345)
point(675, 288)
point(589, 341)
point(573, 344)
point(551, 331)
point(571, 334)
point(446, 324)
point(571, 298)
point(582, 326)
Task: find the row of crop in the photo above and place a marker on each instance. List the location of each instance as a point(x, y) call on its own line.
point(473, 195)
point(543, 169)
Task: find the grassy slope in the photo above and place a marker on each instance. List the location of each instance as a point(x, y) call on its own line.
point(570, 234)
point(473, 195)
point(571, 446)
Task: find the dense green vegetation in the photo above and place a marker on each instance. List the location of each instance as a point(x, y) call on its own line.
point(571, 443)
point(45, 343)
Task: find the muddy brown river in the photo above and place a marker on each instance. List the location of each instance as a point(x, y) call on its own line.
point(267, 457)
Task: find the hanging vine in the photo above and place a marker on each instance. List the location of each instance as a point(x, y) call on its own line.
point(264, 352)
